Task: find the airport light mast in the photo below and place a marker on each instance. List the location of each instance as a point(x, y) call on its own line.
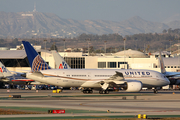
point(64, 46)
point(170, 45)
point(45, 48)
point(178, 51)
point(124, 50)
point(105, 46)
point(88, 40)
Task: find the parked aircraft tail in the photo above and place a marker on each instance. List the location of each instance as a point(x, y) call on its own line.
point(4, 72)
point(35, 60)
point(60, 63)
point(161, 63)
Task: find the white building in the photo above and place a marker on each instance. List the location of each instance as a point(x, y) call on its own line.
point(16, 60)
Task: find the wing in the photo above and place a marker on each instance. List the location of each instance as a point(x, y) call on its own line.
point(116, 79)
point(172, 74)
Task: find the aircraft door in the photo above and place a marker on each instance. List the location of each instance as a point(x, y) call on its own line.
point(89, 75)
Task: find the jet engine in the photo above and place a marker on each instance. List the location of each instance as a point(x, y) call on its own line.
point(133, 86)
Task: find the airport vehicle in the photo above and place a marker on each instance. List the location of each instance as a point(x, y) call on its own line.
point(7, 77)
point(92, 79)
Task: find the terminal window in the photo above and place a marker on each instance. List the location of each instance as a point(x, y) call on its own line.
point(77, 62)
point(111, 64)
point(120, 64)
point(101, 64)
point(15, 62)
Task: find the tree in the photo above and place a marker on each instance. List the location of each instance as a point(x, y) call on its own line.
point(53, 47)
point(164, 31)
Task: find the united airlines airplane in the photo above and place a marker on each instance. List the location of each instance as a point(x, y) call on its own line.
point(131, 80)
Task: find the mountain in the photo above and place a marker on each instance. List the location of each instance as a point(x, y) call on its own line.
point(175, 17)
point(31, 24)
point(174, 24)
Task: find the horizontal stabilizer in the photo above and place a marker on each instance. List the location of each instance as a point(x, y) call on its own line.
point(38, 74)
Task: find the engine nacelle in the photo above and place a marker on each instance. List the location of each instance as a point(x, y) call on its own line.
point(133, 86)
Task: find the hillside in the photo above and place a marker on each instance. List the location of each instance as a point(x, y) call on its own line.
point(37, 24)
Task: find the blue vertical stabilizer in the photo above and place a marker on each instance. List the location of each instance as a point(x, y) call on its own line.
point(35, 60)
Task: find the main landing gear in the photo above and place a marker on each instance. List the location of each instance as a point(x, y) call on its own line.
point(155, 91)
point(87, 91)
point(103, 92)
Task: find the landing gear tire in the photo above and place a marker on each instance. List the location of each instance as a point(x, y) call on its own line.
point(87, 91)
point(155, 91)
point(103, 92)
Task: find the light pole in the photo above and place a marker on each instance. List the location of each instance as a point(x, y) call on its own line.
point(124, 50)
point(170, 45)
point(88, 40)
point(136, 43)
point(178, 50)
point(54, 45)
point(45, 48)
point(105, 46)
point(64, 44)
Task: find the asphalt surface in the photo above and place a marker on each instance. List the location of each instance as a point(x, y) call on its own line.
point(78, 105)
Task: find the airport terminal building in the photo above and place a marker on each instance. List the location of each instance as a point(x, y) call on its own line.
point(16, 60)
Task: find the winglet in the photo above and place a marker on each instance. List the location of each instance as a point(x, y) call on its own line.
point(161, 63)
point(35, 60)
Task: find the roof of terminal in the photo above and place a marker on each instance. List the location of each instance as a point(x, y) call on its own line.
point(171, 61)
point(12, 54)
point(131, 53)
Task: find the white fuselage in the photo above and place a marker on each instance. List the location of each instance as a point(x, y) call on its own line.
point(92, 77)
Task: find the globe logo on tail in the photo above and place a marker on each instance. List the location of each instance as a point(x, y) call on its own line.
point(39, 64)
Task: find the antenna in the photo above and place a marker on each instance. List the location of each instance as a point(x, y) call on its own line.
point(34, 7)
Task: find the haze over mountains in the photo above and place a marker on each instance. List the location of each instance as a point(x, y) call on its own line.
point(37, 24)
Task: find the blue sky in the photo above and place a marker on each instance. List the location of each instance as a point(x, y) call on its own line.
point(115, 10)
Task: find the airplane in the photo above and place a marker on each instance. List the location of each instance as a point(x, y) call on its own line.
point(18, 78)
point(131, 80)
point(172, 76)
point(60, 62)
point(7, 77)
